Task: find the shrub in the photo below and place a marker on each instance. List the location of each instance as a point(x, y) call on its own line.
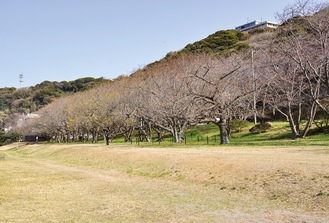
point(260, 128)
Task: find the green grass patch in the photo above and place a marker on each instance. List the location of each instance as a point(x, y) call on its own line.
point(208, 134)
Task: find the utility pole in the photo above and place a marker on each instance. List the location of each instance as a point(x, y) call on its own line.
point(21, 76)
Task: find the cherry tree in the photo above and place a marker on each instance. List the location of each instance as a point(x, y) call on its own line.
point(222, 85)
point(300, 63)
point(167, 103)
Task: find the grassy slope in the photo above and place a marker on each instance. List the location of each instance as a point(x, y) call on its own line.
point(124, 183)
point(278, 135)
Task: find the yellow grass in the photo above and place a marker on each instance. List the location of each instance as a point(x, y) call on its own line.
point(121, 183)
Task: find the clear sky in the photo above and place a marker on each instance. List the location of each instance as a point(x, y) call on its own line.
point(59, 40)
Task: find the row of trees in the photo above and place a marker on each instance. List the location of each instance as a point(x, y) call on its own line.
point(169, 96)
point(285, 71)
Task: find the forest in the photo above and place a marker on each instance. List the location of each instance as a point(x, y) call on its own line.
point(228, 76)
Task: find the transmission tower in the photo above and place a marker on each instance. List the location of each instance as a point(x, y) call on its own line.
point(21, 76)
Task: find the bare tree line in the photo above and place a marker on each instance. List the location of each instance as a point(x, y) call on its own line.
point(285, 71)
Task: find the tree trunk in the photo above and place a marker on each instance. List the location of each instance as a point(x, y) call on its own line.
point(175, 135)
point(292, 124)
point(143, 135)
point(181, 136)
point(294, 131)
point(107, 135)
point(310, 119)
point(182, 129)
point(128, 134)
point(178, 130)
point(223, 131)
point(299, 116)
point(150, 130)
point(159, 133)
point(95, 135)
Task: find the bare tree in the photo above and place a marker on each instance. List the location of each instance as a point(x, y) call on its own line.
point(167, 103)
point(300, 52)
point(52, 122)
point(304, 38)
point(222, 86)
point(288, 94)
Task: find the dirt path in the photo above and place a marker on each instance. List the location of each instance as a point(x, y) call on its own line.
point(84, 183)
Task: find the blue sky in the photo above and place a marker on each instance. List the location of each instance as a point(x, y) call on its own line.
point(59, 40)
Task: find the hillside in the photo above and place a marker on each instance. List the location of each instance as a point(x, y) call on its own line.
point(30, 99)
point(222, 42)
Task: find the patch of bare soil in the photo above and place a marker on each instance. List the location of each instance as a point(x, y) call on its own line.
point(120, 183)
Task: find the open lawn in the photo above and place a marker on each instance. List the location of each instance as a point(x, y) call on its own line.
point(126, 183)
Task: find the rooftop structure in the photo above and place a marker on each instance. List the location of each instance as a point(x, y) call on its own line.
point(257, 24)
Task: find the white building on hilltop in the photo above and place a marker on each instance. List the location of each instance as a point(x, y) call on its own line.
point(256, 25)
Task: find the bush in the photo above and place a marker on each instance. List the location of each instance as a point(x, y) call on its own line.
point(7, 138)
point(260, 128)
point(241, 45)
point(221, 42)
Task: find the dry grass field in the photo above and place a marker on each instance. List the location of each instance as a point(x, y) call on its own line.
point(124, 183)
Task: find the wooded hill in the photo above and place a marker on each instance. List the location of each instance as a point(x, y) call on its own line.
point(226, 77)
point(31, 99)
